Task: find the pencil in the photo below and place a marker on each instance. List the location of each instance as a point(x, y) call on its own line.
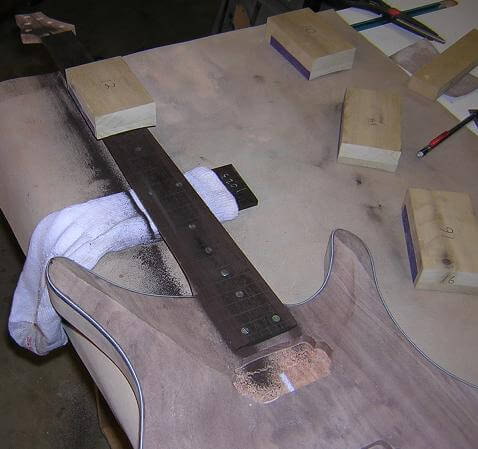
point(444, 135)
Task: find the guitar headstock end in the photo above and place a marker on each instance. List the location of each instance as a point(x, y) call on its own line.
point(37, 25)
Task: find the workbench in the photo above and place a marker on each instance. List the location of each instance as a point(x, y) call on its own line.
point(453, 23)
point(231, 98)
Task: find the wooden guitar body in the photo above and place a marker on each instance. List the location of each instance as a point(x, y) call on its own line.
point(180, 373)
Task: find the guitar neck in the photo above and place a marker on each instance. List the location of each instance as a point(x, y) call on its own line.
point(236, 298)
point(243, 308)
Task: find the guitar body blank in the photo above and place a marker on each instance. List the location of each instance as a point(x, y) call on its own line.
point(380, 389)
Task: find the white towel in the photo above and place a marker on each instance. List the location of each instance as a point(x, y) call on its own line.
point(84, 233)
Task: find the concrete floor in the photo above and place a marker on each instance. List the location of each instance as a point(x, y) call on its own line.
point(48, 402)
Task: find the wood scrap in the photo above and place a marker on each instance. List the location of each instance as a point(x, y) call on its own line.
point(415, 56)
point(434, 78)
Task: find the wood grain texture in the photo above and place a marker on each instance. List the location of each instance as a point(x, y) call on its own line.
point(447, 68)
point(370, 129)
point(111, 97)
point(310, 39)
point(379, 388)
point(444, 233)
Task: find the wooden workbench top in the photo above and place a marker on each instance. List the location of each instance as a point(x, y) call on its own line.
point(232, 99)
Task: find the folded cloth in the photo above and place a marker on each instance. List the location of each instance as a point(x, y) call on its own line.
point(84, 233)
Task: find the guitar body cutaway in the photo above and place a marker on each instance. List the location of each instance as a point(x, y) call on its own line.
point(187, 383)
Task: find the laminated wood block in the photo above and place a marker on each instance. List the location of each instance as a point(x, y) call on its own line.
point(309, 43)
point(111, 97)
point(370, 129)
point(447, 68)
point(441, 233)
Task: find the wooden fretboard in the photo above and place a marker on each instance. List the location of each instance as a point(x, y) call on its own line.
point(233, 294)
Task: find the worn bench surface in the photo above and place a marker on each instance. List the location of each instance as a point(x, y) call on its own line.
point(231, 99)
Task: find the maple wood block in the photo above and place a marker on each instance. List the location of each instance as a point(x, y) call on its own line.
point(370, 129)
point(309, 42)
point(111, 97)
point(441, 232)
point(447, 68)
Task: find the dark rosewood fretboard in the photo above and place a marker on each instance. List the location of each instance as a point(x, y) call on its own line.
point(236, 298)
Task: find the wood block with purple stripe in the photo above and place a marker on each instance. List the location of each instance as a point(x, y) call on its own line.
point(441, 234)
point(309, 42)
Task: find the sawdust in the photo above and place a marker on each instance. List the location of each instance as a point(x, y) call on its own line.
point(281, 372)
point(149, 269)
point(94, 160)
point(159, 274)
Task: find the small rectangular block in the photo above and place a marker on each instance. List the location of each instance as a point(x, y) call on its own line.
point(233, 181)
point(441, 233)
point(111, 97)
point(370, 129)
point(309, 43)
point(434, 78)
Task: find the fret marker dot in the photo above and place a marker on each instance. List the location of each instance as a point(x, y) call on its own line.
point(275, 318)
point(179, 184)
point(239, 294)
point(224, 273)
point(138, 149)
point(245, 331)
point(191, 226)
point(208, 250)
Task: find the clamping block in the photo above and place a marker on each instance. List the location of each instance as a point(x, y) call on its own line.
point(370, 129)
point(110, 96)
point(441, 233)
point(309, 43)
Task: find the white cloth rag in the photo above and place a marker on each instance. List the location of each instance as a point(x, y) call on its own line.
point(84, 233)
